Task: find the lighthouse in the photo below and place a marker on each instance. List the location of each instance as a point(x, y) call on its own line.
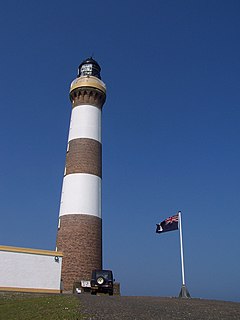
point(79, 234)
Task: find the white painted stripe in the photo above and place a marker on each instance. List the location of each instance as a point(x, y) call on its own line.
point(81, 194)
point(85, 123)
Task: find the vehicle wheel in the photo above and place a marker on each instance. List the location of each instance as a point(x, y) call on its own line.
point(110, 293)
point(100, 280)
point(93, 292)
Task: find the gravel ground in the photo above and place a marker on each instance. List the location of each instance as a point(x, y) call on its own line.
point(136, 308)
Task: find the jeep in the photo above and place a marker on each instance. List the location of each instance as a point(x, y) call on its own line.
point(102, 281)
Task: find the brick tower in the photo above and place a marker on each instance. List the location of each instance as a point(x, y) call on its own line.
point(80, 223)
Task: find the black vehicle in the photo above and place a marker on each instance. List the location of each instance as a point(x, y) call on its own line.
point(102, 281)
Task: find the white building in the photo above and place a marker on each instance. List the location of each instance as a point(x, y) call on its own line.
point(30, 270)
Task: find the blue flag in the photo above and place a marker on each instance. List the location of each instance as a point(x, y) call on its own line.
point(168, 224)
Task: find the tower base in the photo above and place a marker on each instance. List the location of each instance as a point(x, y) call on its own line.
point(80, 239)
point(184, 293)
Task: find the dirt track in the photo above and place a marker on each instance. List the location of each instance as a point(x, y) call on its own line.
point(105, 307)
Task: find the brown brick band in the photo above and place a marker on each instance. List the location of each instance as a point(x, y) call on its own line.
point(84, 156)
point(80, 239)
point(84, 95)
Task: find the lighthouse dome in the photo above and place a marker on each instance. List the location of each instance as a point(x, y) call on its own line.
point(89, 67)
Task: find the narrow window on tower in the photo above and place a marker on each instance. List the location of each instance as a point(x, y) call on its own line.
point(59, 223)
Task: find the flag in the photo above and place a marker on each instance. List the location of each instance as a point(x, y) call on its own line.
point(168, 224)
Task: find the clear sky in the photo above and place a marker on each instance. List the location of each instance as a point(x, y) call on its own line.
point(171, 130)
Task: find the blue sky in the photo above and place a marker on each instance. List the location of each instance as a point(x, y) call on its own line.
point(170, 133)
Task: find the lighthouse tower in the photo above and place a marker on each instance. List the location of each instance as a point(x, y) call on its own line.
point(80, 222)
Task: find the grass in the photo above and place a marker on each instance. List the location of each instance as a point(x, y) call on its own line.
point(36, 307)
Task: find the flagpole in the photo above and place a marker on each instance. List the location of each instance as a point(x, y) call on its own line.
point(181, 247)
point(184, 292)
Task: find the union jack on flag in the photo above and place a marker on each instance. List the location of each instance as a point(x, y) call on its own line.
point(168, 224)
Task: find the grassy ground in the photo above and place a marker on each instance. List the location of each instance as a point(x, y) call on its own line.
point(36, 307)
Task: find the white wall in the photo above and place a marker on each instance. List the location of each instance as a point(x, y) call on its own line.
point(30, 270)
point(81, 194)
point(85, 123)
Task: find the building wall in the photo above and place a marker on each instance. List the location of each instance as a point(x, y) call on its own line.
point(30, 270)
